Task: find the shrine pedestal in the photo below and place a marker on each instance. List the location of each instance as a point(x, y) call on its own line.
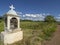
point(9, 38)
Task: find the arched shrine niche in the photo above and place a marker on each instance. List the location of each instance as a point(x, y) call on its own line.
point(5, 21)
point(13, 23)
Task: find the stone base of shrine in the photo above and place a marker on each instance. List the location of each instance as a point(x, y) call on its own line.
point(9, 38)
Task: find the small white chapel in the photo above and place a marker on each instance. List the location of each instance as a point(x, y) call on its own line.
point(12, 31)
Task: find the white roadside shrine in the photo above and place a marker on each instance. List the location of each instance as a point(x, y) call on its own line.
point(12, 31)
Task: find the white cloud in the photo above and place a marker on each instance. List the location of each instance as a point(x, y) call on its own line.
point(19, 13)
point(41, 16)
point(34, 16)
point(27, 15)
point(57, 18)
point(23, 15)
point(30, 15)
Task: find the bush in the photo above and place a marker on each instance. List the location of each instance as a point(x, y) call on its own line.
point(50, 19)
point(49, 29)
point(1, 26)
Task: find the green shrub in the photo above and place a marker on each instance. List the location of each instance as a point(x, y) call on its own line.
point(1, 26)
point(49, 29)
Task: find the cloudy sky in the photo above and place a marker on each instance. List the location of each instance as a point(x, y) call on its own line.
point(35, 17)
point(39, 8)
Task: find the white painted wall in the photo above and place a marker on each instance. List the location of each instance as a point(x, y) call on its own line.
point(9, 38)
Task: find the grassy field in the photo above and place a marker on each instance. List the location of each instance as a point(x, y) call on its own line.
point(1, 26)
point(34, 32)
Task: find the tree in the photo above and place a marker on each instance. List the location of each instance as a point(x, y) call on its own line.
point(49, 18)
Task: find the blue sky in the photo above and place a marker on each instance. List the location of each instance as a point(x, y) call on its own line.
point(32, 6)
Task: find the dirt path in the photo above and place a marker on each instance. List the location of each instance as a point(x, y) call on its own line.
point(56, 39)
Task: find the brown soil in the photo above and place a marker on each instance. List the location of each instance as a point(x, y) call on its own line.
point(55, 39)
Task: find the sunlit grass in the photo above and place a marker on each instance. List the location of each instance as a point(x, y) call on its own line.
point(32, 31)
